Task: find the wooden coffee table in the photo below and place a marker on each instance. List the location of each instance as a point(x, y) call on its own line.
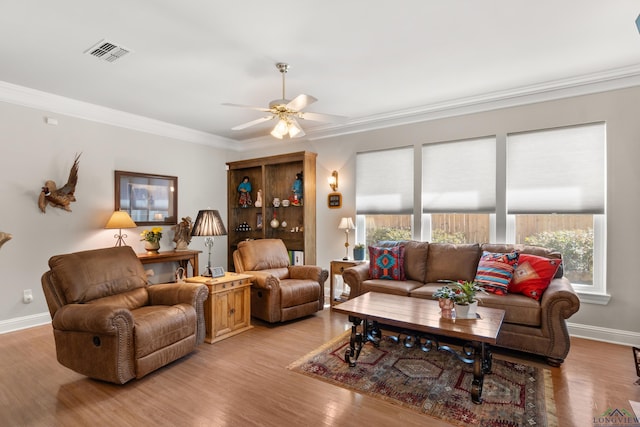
point(420, 320)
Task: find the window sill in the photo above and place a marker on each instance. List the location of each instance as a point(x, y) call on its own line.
point(593, 298)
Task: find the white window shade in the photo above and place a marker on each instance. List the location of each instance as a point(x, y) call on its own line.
point(384, 182)
point(557, 170)
point(459, 177)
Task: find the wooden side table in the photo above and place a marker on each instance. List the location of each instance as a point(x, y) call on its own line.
point(227, 311)
point(337, 268)
point(183, 258)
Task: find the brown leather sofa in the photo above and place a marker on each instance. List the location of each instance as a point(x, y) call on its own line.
point(531, 326)
point(280, 291)
point(110, 324)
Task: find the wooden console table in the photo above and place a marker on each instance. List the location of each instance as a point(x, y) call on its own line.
point(183, 258)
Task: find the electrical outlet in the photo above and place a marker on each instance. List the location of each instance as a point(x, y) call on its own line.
point(27, 296)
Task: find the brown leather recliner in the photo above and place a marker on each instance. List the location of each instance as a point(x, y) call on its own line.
point(280, 291)
point(110, 324)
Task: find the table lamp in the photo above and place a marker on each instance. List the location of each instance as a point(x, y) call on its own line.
point(120, 220)
point(208, 223)
point(346, 224)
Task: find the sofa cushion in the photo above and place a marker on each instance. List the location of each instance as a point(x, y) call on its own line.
point(495, 271)
point(386, 263)
point(533, 275)
point(415, 260)
point(455, 262)
point(526, 249)
point(395, 287)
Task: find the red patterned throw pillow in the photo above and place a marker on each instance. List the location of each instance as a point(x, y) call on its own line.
point(387, 263)
point(495, 271)
point(533, 275)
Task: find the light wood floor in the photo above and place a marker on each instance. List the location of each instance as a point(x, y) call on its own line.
point(243, 381)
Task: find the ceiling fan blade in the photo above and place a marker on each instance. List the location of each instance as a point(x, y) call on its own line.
point(253, 123)
point(319, 117)
point(250, 107)
point(300, 101)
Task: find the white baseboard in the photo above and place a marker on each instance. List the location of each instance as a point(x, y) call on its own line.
point(25, 322)
point(597, 333)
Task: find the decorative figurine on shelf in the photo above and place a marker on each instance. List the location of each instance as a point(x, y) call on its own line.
point(296, 189)
point(258, 203)
point(182, 235)
point(274, 222)
point(245, 193)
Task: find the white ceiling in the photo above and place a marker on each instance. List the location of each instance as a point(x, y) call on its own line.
point(368, 60)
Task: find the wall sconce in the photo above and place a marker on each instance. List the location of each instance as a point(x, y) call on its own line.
point(333, 180)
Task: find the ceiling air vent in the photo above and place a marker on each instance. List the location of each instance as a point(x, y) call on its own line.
point(107, 51)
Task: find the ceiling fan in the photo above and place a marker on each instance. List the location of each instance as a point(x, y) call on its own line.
point(287, 112)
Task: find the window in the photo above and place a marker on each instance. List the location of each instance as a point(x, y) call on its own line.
point(556, 197)
point(384, 195)
point(458, 190)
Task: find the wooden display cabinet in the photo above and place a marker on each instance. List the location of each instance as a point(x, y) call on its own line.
point(274, 175)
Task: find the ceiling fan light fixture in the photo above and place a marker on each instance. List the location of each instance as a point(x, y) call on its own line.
point(295, 130)
point(280, 129)
point(286, 111)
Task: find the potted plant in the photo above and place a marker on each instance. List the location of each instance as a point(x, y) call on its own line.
point(466, 299)
point(358, 252)
point(151, 239)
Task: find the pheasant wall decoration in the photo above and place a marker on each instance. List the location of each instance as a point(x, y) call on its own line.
point(60, 198)
point(4, 238)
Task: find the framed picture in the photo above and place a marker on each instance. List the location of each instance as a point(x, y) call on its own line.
point(149, 199)
point(334, 201)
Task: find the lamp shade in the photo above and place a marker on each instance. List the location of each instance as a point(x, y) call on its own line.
point(120, 219)
point(346, 224)
point(208, 223)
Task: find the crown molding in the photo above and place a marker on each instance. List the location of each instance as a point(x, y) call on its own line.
point(33, 98)
point(619, 78)
point(613, 79)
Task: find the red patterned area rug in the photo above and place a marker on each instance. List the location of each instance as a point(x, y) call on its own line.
point(437, 383)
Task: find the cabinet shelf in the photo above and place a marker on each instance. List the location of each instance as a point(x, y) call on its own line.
point(274, 176)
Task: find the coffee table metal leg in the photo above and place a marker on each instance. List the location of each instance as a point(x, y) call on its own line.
point(481, 365)
point(355, 343)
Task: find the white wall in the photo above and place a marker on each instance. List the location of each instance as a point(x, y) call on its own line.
point(617, 321)
point(32, 152)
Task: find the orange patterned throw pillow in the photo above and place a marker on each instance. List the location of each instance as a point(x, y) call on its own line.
point(387, 263)
point(533, 275)
point(495, 271)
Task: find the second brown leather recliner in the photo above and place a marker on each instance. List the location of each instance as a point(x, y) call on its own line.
point(280, 291)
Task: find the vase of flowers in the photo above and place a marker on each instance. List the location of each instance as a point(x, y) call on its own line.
point(151, 239)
